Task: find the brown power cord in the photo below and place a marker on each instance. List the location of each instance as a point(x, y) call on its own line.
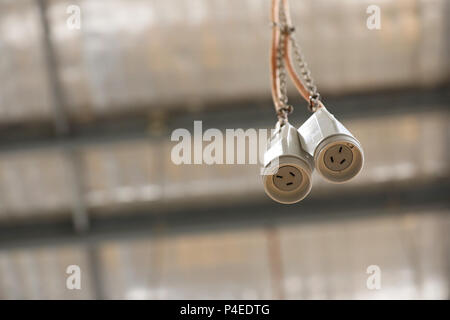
point(313, 98)
point(287, 54)
point(276, 93)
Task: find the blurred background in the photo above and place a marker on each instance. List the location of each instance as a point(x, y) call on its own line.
point(86, 177)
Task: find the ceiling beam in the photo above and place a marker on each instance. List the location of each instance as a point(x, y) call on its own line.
point(362, 202)
point(229, 115)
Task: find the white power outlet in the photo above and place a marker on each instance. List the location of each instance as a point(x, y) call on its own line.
point(288, 167)
point(338, 156)
point(287, 178)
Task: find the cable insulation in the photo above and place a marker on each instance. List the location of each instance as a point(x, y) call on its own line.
point(287, 56)
point(273, 55)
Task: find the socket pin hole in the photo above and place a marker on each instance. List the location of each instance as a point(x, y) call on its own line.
point(281, 177)
point(292, 174)
point(343, 160)
point(332, 160)
point(340, 149)
point(289, 183)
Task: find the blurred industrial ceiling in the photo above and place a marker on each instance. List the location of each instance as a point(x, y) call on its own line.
point(85, 170)
point(143, 55)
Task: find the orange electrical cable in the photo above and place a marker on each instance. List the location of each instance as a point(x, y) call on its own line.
point(287, 56)
point(273, 55)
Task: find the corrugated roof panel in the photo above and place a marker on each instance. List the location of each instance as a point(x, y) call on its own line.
point(34, 183)
point(24, 90)
point(41, 274)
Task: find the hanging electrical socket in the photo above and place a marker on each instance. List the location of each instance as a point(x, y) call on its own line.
point(287, 166)
point(338, 156)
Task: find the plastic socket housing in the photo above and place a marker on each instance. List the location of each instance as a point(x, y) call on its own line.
point(287, 166)
point(338, 156)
